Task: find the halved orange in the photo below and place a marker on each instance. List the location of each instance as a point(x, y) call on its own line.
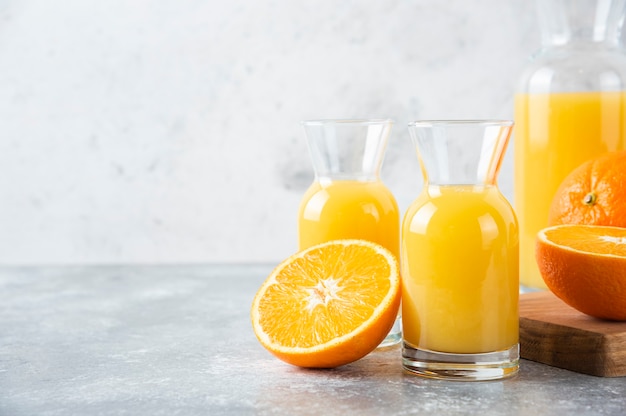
point(585, 266)
point(328, 305)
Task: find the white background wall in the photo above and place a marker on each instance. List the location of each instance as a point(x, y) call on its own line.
point(157, 131)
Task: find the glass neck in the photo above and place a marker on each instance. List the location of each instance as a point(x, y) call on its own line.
point(328, 179)
point(460, 152)
point(347, 149)
point(581, 22)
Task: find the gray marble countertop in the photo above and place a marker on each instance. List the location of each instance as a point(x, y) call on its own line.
point(177, 340)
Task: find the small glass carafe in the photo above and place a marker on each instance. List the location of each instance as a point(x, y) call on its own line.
point(347, 199)
point(459, 256)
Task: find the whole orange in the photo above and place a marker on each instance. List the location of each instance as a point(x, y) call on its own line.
point(594, 193)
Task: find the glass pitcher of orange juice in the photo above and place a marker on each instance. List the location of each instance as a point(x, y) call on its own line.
point(569, 107)
point(348, 198)
point(459, 261)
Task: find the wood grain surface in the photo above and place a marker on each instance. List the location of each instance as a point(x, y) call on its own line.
point(553, 333)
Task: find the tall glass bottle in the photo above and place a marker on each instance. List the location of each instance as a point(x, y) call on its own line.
point(347, 198)
point(570, 105)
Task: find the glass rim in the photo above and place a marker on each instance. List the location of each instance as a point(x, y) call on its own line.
point(456, 122)
point(351, 121)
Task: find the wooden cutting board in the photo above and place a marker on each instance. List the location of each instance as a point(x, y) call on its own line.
point(553, 333)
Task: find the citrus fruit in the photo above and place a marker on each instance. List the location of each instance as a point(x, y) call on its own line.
point(328, 305)
point(585, 266)
point(593, 193)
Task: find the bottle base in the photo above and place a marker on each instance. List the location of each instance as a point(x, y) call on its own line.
point(461, 367)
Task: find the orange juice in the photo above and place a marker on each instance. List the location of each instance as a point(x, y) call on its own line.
point(460, 270)
point(554, 133)
point(338, 209)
